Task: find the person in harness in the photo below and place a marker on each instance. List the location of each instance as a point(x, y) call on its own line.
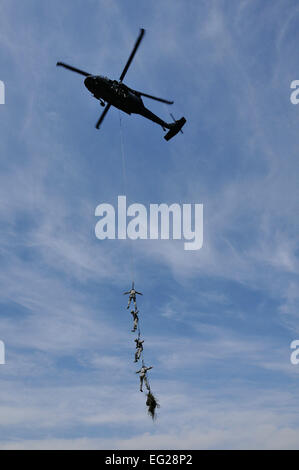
point(135, 319)
point(143, 377)
point(132, 296)
point(139, 349)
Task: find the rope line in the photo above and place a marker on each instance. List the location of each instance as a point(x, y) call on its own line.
point(124, 174)
point(122, 147)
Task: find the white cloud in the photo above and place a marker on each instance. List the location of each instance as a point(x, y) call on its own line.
point(68, 342)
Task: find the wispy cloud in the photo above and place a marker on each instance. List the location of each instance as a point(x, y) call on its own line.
point(217, 323)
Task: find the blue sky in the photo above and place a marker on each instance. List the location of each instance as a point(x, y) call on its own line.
point(218, 322)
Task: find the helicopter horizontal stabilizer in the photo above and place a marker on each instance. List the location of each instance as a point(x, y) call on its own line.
point(175, 128)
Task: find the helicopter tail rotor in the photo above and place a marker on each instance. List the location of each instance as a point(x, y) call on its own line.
point(173, 118)
point(175, 128)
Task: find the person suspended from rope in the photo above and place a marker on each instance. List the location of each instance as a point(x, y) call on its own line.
point(135, 319)
point(143, 377)
point(152, 404)
point(132, 296)
point(139, 349)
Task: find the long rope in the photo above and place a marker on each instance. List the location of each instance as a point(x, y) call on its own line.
point(139, 336)
point(124, 172)
point(122, 147)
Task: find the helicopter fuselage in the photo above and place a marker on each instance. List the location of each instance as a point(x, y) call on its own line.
point(115, 93)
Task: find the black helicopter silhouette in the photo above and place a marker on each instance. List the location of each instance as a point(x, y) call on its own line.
point(116, 93)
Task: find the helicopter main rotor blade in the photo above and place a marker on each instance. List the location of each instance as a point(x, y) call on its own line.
point(73, 69)
point(141, 34)
point(103, 115)
point(140, 93)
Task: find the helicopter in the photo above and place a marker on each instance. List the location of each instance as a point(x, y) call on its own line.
point(116, 93)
